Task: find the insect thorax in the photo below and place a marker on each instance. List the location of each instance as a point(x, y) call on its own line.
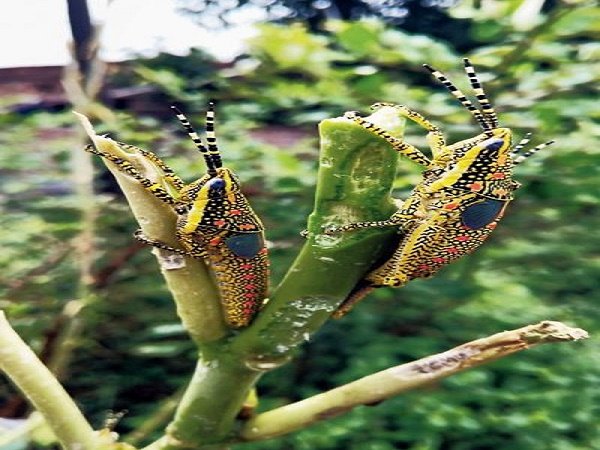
point(483, 166)
point(230, 212)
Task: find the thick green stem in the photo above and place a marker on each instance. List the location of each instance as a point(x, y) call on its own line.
point(356, 173)
point(220, 384)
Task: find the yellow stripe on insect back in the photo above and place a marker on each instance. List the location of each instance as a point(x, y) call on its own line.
point(500, 142)
point(227, 188)
point(461, 166)
point(230, 185)
point(196, 213)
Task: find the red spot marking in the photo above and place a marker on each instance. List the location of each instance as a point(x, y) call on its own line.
point(452, 250)
point(249, 276)
point(438, 260)
point(250, 286)
point(463, 238)
point(246, 266)
point(475, 186)
point(248, 304)
point(250, 295)
point(215, 241)
point(498, 176)
point(424, 267)
point(451, 206)
point(235, 212)
point(219, 222)
point(492, 225)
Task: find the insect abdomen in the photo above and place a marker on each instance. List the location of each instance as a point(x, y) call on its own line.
point(240, 267)
point(427, 247)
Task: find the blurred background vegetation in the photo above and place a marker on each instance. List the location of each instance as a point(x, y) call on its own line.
point(127, 352)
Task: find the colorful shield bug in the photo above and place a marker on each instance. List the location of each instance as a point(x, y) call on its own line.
point(215, 222)
point(463, 194)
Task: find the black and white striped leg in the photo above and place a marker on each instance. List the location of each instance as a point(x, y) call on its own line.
point(140, 236)
point(435, 137)
point(169, 174)
point(392, 222)
point(126, 167)
point(400, 146)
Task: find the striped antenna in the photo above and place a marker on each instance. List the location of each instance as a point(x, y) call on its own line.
point(486, 107)
point(522, 143)
point(460, 96)
point(519, 159)
point(210, 165)
point(211, 138)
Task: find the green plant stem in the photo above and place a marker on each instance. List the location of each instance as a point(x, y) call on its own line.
point(356, 174)
point(43, 390)
point(220, 384)
point(380, 386)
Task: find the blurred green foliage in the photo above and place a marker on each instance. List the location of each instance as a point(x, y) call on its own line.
point(540, 69)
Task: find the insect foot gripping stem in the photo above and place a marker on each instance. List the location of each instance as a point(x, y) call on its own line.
point(463, 194)
point(215, 223)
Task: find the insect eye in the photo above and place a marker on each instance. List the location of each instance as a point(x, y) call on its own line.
point(216, 183)
point(495, 145)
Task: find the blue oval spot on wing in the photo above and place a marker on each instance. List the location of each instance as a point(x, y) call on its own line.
point(245, 245)
point(482, 213)
point(495, 144)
